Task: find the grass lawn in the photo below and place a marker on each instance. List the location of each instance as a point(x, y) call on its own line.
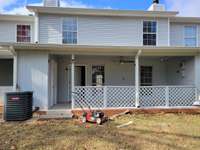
point(148, 132)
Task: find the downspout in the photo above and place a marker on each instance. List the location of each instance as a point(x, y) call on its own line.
point(137, 79)
point(15, 61)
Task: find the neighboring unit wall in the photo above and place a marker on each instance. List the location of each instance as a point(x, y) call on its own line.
point(198, 35)
point(177, 34)
point(8, 30)
point(33, 75)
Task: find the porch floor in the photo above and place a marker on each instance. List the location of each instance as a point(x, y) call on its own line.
point(61, 106)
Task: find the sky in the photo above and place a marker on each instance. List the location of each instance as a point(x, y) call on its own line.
point(185, 7)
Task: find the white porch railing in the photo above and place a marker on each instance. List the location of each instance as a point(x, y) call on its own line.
point(124, 96)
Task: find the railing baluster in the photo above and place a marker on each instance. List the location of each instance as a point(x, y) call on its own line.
point(167, 96)
point(105, 96)
point(122, 96)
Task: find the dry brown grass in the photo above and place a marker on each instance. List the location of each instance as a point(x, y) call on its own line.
point(152, 132)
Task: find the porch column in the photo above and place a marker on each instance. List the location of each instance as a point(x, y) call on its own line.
point(72, 78)
point(15, 73)
point(12, 50)
point(197, 79)
point(137, 79)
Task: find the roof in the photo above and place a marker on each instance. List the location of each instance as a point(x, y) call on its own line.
point(185, 19)
point(16, 17)
point(104, 50)
point(100, 12)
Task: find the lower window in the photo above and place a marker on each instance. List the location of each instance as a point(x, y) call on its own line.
point(146, 75)
point(6, 72)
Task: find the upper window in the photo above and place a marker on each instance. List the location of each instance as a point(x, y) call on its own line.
point(23, 33)
point(149, 32)
point(69, 31)
point(190, 36)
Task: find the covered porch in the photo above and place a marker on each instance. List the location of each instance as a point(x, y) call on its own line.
point(65, 76)
point(116, 82)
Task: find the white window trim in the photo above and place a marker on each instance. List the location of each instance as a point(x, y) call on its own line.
point(62, 20)
point(191, 36)
point(152, 33)
point(31, 32)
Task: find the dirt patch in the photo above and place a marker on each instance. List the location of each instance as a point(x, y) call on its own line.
point(111, 112)
point(160, 131)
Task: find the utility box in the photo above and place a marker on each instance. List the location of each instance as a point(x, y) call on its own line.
point(18, 106)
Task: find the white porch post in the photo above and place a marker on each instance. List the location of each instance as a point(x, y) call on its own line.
point(15, 73)
point(72, 79)
point(197, 79)
point(12, 50)
point(137, 79)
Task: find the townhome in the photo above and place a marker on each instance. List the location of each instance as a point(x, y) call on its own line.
point(71, 57)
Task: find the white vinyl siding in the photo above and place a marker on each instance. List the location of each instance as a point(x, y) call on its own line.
point(110, 31)
point(162, 32)
point(50, 29)
point(33, 75)
point(8, 30)
point(177, 34)
point(113, 31)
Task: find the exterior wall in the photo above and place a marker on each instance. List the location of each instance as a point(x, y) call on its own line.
point(8, 30)
point(50, 29)
point(177, 34)
point(109, 31)
point(33, 75)
point(178, 76)
point(198, 35)
point(197, 71)
point(159, 69)
point(163, 32)
point(112, 31)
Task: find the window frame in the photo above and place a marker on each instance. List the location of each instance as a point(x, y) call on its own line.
point(156, 33)
point(62, 21)
point(144, 83)
point(16, 35)
point(190, 37)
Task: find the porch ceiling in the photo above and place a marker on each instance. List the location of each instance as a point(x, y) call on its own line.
point(5, 52)
point(104, 50)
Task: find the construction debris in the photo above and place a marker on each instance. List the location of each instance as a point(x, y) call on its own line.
point(125, 124)
point(120, 114)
